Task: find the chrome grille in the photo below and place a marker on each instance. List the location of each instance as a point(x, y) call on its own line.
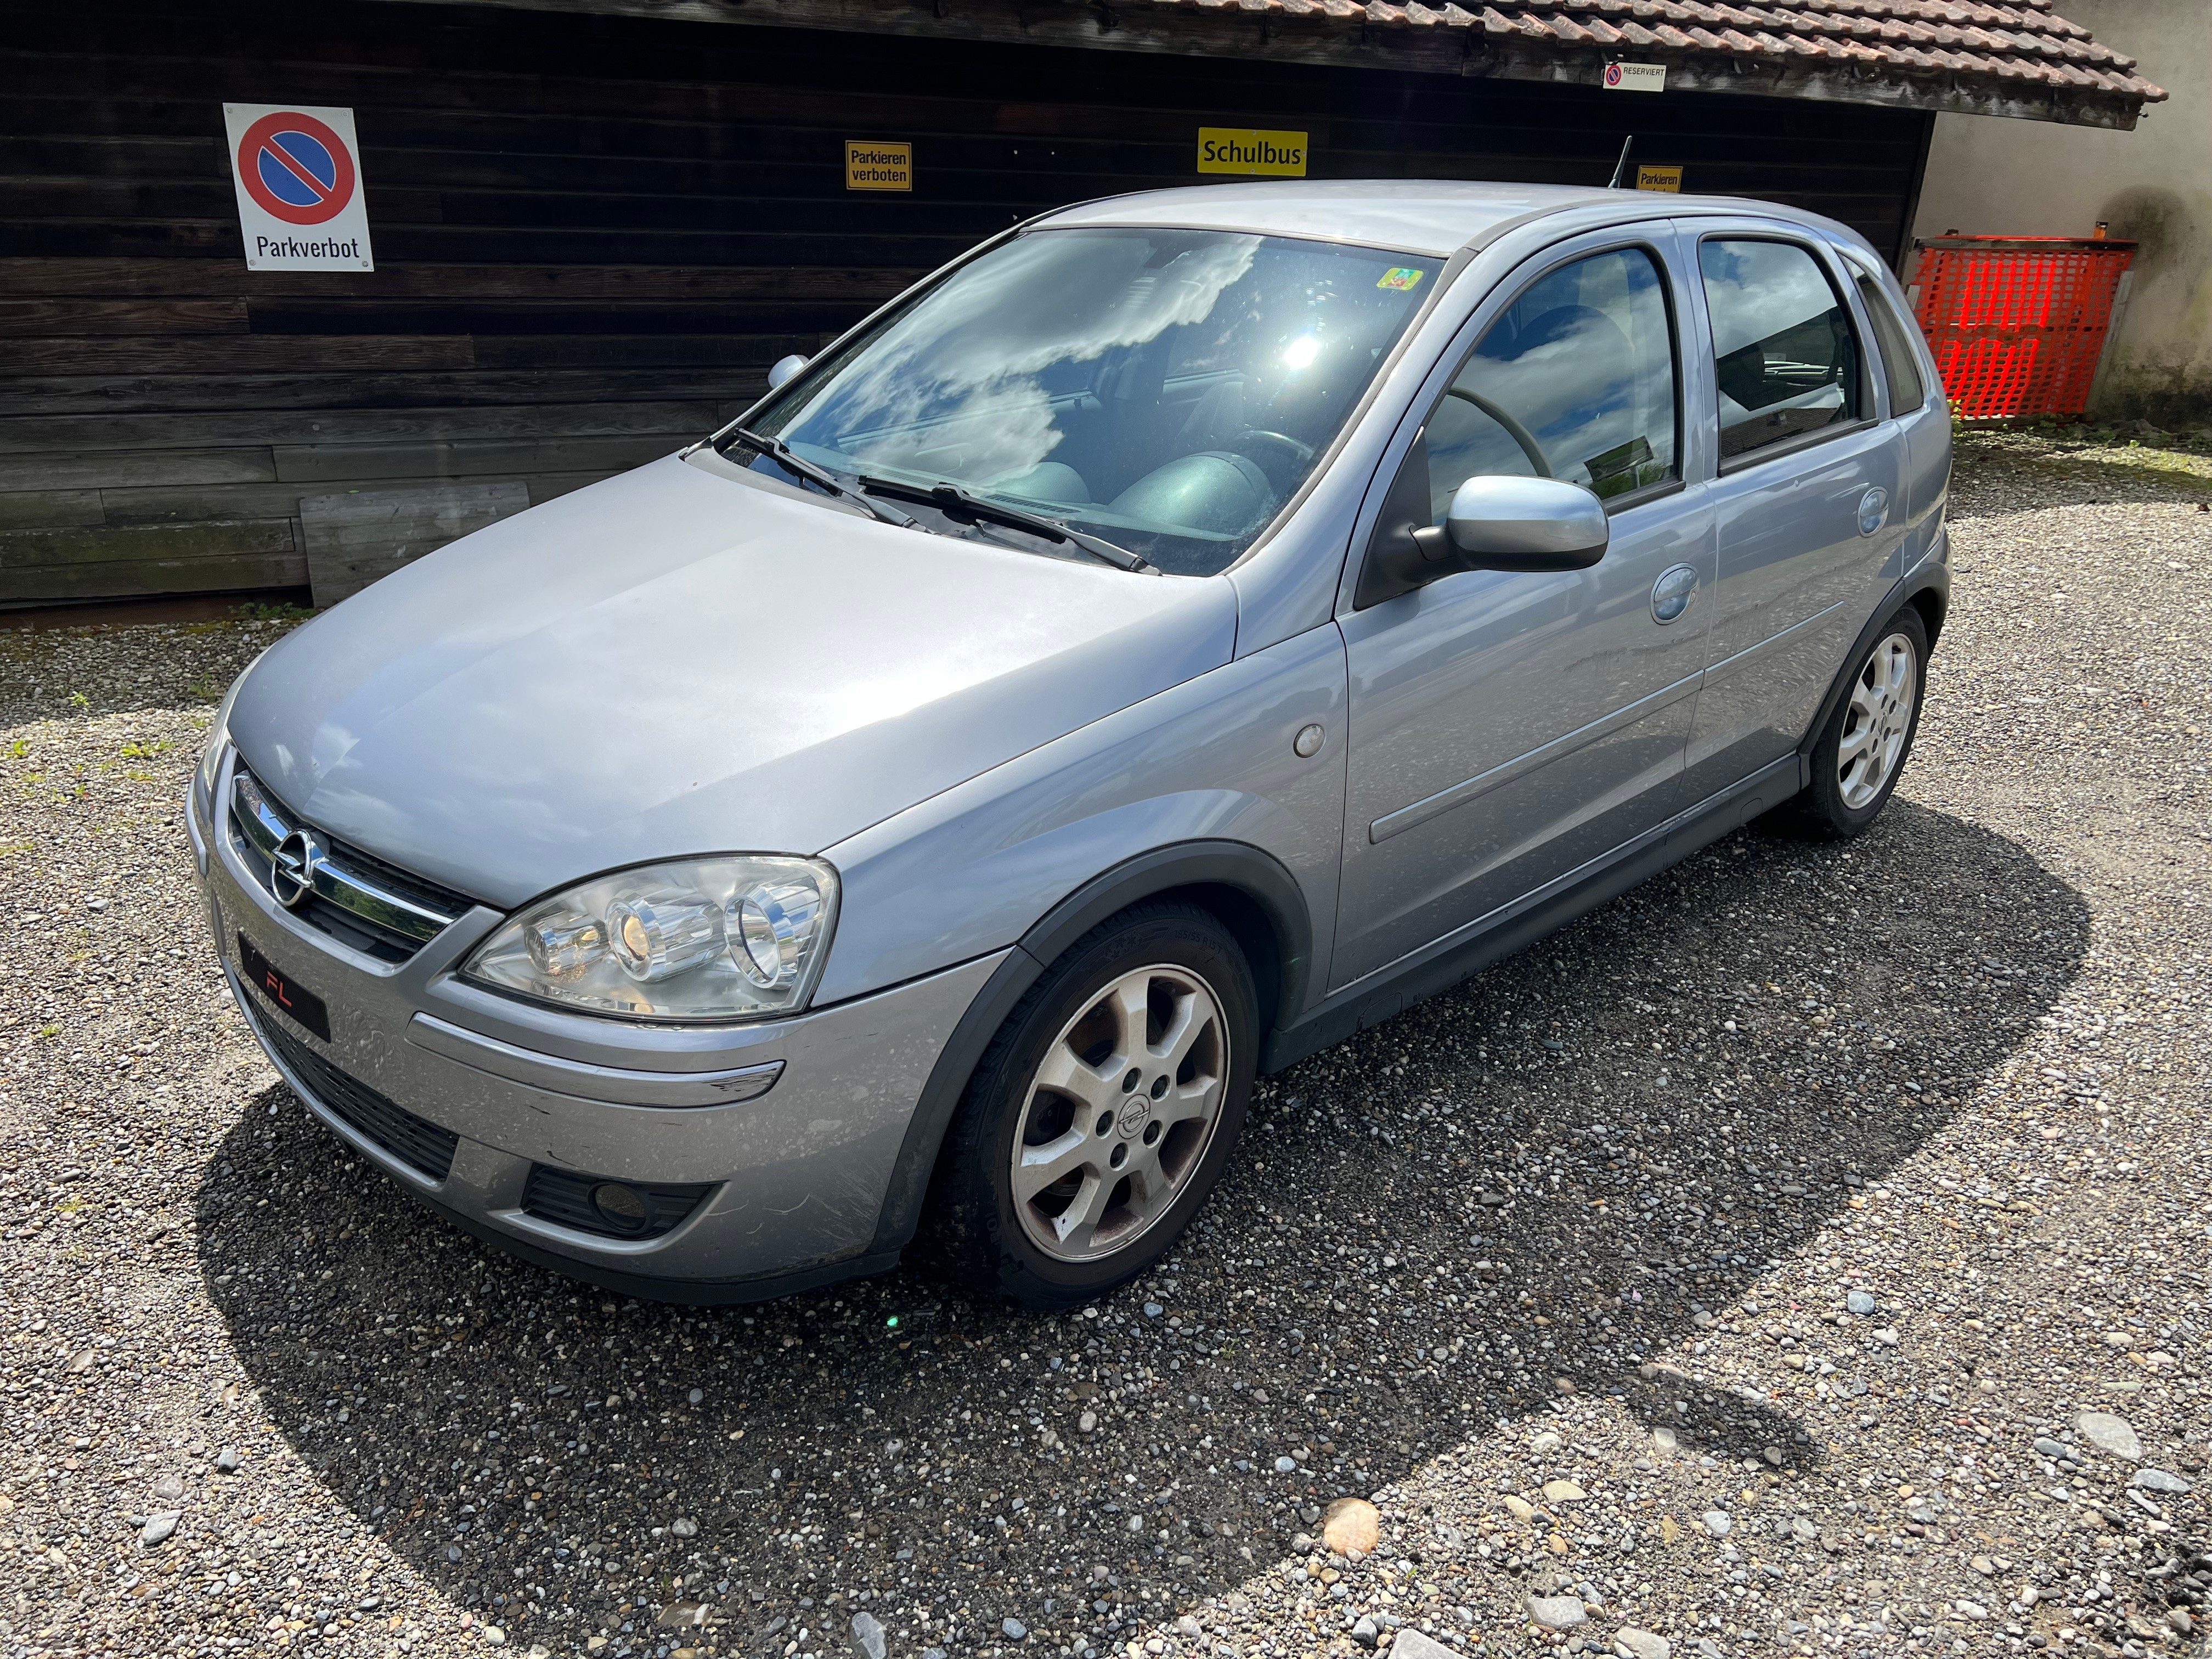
point(354, 896)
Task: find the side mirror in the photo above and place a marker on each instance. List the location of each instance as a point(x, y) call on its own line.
point(1526, 524)
point(1493, 524)
point(783, 368)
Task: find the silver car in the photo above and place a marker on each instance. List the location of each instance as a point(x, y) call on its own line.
point(1190, 627)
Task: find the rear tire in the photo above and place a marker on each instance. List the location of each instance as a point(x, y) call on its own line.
point(1863, 749)
point(1103, 1113)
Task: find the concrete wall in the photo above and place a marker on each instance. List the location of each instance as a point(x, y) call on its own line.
point(1988, 176)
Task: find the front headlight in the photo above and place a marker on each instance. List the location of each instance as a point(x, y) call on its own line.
point(218, 739)
point(719, 939)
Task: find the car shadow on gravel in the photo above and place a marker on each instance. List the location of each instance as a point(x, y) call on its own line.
point(1538, 1181)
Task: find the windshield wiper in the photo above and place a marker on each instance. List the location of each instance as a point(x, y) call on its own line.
point(780, 453)
point(952, 495)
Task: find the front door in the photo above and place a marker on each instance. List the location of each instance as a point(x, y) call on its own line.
point(1807, 506)
point(1507, 729)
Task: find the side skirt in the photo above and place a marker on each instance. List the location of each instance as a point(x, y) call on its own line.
point(1437, 967)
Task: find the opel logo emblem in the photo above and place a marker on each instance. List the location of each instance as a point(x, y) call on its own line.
point(1133, 1117)
point(292, 869)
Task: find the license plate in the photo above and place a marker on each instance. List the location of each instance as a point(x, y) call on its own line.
point(282, 992)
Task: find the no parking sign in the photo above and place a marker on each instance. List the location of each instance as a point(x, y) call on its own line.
point(297, 170)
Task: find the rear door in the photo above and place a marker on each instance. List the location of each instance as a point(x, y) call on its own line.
point(1915, 406)
point(1807, 503)
point(1507, 728)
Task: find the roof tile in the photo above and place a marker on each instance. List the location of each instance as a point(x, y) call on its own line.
point(1994, 43)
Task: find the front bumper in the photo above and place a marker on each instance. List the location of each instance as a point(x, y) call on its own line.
point(500, 1103)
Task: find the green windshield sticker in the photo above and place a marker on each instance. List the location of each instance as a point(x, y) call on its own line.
point(1400, 278)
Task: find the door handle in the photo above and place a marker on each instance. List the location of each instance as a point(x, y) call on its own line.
point(1671, 594)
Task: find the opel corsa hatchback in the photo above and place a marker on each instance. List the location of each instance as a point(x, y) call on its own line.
point(1188, 628)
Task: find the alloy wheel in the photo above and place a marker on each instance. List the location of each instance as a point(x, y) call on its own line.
point(1876, 721)
point(1120, 1112)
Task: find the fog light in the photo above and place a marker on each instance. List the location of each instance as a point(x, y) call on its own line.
point(622, 1207)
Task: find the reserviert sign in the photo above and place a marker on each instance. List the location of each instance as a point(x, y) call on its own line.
point(297, 171)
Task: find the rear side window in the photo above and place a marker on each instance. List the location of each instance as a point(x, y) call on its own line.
point(1907, 391)
point(1574, 381)
point(1786, 357)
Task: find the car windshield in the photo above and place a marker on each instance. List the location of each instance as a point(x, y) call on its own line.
point(1164, 389)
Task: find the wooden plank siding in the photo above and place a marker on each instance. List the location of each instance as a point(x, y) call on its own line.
point(593, 234)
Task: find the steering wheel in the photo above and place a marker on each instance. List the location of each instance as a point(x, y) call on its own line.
point(1299, 453)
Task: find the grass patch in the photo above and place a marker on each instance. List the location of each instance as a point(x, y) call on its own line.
point(2133, 448)
point(254, 610)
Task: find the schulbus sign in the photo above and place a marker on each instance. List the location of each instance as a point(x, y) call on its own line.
point(297, 170)
point(1252, 153)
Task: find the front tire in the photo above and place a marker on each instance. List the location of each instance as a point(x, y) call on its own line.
point(1103, 1111)
point(1862, 750)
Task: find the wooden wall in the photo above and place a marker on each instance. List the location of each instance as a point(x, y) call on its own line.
point(593, 234)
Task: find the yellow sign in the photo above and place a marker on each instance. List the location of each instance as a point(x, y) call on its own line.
point(1666, 179)
point(872, 165)
point(1250, 152)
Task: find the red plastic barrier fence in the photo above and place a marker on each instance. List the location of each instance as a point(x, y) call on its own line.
point(2017, 323)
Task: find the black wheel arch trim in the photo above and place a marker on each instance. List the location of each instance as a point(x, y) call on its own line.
point(1258, 880)
point(1906, 592)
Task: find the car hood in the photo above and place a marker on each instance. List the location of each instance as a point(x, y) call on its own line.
point(672, 663)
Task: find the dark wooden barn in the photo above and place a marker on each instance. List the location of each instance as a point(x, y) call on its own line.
point(596, 224)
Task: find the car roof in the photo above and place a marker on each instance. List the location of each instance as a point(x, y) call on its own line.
point(1435, 217)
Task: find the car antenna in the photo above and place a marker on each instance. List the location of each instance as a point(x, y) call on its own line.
point(1621, 166)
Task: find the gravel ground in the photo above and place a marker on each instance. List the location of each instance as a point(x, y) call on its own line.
point(1808, 1251)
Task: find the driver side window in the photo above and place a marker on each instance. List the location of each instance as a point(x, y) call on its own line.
point(1576, 381)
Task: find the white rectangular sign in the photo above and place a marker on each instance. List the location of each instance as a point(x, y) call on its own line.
point(1636, 77)
point(297, 171)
